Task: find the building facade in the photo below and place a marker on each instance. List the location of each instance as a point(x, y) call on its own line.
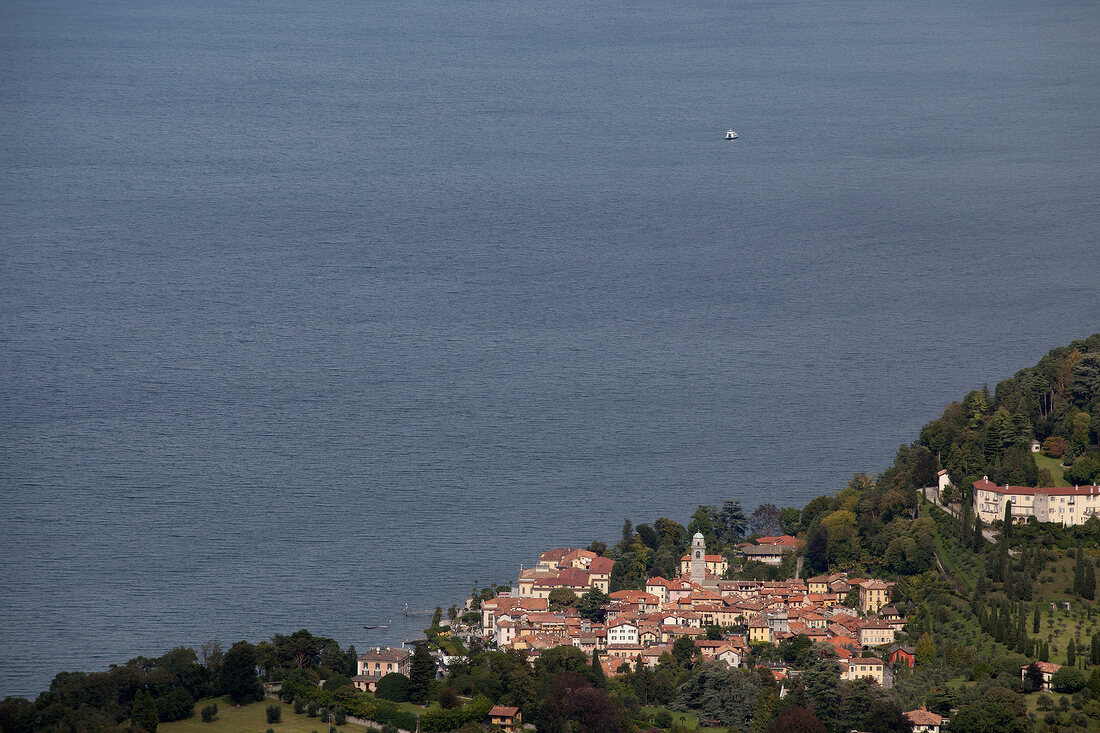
point(1065, 505)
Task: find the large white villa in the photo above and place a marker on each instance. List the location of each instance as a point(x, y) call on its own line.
point(1066, 505)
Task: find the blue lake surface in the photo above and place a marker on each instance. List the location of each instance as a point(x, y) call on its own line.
point(309, 310)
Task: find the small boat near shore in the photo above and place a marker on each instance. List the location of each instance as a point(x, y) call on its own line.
point(731, 135)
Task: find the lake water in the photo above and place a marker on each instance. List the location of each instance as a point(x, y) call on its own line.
point(312, 309)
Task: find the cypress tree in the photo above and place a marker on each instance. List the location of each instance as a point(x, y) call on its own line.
point(1088, 585)
point(144, 712)
point(965, 516)
point(597, 669)
point(978, 539)
point(1035, 620)
point(1006, 532)
point(421, 673)
point(1071, 653)
point(1044, 652)
point(1094, 652)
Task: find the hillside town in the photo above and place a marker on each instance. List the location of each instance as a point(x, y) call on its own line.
point(641, 625)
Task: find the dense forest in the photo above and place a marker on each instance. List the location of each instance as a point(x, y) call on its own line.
point(1056, 402)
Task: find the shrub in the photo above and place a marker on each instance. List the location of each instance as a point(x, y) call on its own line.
point(274, 713)
point(394, 686)
point(334, 683)
point(339, 716)
point(176, 705)
point(209, 713)
point(1068, 679)
point(299, 705)
point(312, 708)
point(448, 698)
point(324, 715)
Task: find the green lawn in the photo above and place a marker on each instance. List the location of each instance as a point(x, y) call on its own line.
point(1052, 465)
point(250, 719)
point(689, 719)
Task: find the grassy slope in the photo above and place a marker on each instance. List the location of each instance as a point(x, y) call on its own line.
point(249, 719)
point(1052, 465)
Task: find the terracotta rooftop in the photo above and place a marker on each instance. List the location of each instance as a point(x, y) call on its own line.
point(987, 485)
point(923, 716)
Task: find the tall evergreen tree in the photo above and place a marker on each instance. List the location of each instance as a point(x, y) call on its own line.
point(1044, 652)
point(1071, 653)
point(965, 520)
point(1035, 620)
point(144, 712)
point(598, 676)
point(239, 673)
point(1088, 584)
point(421, 673)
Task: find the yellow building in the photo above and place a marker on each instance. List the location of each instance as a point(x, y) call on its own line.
point(759, 631)
point(873, 595)
point(859, 667)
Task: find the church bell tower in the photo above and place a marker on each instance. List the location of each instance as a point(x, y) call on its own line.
point(698, 558)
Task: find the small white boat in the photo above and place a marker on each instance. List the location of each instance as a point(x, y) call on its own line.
point(731, 135)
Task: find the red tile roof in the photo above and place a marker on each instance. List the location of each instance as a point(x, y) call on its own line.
point(601, 566)
point(923, 716)
point(987, 485)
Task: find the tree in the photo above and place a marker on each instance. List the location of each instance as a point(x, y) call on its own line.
point(561, 599)
point(239, 673)
point(593, 605)
point(648, 536)
point(1071, 653)
point(822, 681)
point(421, 674)
point(719, 693)
point(732, 522)
point(926, 650)
point(791, 519)
point(1068, 679)
point(573, 704)
point(1035, 620)
point(144, 713)
point(628, 533)
point(393, 686)
point(798, 720)
point(274, 713)
point(671, 533)
point(1034, 677)
point(683, 649)
point(598, 677)
point(448, 698)
point(766, 520)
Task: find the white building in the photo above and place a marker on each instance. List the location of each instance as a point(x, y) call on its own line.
point(622, 632)
point(1067, 505)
